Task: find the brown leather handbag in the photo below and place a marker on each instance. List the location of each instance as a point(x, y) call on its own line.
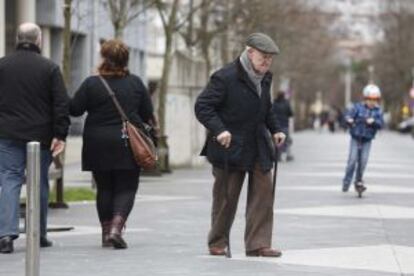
point(142, 147)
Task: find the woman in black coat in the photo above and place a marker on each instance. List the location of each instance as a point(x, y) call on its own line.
point(105, 149)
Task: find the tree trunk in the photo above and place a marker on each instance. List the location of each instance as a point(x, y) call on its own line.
point(119, 31)
point(169, 30)
point(224, 47)
point(66, 43)
point(206, 56)
point(205, 35)
point(164, 83)
point(66, 62)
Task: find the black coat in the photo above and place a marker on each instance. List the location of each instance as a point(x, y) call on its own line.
point(34, 105)
point(230, 102)
point(103, 146)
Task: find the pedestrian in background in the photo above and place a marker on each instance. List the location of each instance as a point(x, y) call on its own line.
point(106, 151)
point(364, 120)
point(33, 107)
point(236, 109)
point(283, 111)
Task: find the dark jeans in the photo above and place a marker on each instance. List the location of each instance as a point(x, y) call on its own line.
point(12, 171)
point(116, 192)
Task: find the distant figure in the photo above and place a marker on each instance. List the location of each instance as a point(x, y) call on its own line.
point(34, 106)
point(281, 107)
point(332, 119)
point(364, 119)
point(236, 109)
point(105, 149)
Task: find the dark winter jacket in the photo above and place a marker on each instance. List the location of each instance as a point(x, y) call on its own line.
point(283, 111)
point(230, 102)
point(360, 129)
point(103, 146)
point(34, 105)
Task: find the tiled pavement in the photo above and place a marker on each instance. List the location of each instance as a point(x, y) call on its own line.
point(321, 230)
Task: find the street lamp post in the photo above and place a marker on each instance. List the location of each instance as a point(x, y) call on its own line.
point(348, 83)
point(371, 70)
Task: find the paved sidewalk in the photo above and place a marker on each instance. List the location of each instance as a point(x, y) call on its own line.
point(321, 230)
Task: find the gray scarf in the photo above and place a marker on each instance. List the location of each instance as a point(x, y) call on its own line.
point(253, 76)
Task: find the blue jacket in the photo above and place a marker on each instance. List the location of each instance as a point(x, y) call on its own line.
point(360, 129)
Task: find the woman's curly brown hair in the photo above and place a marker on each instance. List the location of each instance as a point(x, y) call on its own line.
point(115, 57)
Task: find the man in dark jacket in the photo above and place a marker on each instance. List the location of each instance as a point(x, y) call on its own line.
point(283, 111)
point(235, 107)
point(33, 107)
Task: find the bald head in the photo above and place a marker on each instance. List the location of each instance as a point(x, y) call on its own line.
point(29, 32)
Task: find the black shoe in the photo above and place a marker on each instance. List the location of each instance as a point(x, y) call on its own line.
point(6, 244)
point(345, 188)
point(44, 242)
point(360, 188)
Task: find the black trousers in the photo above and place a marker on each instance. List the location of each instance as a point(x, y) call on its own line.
point(116, 190)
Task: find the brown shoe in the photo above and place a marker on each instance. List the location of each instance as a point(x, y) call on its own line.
point(217, 251)
point(265, 252)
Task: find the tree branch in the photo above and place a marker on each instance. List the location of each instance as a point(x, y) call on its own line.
point(160, 7)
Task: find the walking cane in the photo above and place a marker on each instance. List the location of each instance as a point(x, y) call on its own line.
point(275, 172)
point(226, 187)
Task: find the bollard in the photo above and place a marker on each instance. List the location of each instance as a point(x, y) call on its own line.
point(33, 209)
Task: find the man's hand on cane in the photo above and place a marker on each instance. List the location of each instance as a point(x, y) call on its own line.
point(279, 138)
point(57, 147)
point(224, 139)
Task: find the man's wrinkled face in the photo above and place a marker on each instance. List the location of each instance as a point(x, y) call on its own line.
point(261, 61)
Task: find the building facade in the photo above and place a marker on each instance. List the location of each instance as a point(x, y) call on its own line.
point(90, 24)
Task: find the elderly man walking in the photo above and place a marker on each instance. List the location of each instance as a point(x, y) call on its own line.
point(33, 107)
point(236, 109)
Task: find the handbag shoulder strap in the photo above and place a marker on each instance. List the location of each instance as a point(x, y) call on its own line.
point(114, 99)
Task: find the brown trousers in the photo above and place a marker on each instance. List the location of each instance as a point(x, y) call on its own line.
point(259, 208)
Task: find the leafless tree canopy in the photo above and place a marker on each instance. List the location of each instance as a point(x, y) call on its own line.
point(394, 56)
point(216, 30)
point(123, 12)
point(306, 44)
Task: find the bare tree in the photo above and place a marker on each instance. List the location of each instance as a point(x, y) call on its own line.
point(306, 43)
point(123, 12)
point(168, 15)
point(213, 19)
point(67, 41)
point(394, 57)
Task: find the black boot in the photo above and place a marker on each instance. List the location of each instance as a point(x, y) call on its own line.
point(6, 244)
point(106, 227)
point(115, 233)
point(44, 242)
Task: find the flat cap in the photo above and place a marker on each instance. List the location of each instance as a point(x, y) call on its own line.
point(263, 43)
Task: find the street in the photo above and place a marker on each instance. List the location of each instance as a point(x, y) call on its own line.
point(320, 229)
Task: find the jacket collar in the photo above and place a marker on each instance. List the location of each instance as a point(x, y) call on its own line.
point(27, 46)
point(267, 79)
